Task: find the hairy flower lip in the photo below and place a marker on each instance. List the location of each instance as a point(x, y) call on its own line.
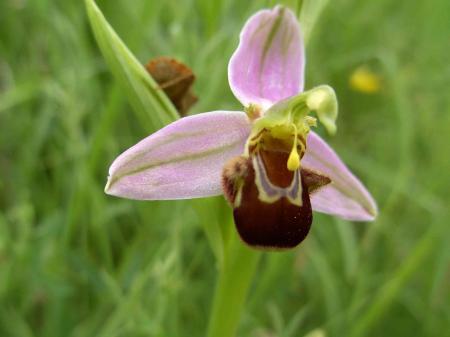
point(207, 141)
point(277, 225)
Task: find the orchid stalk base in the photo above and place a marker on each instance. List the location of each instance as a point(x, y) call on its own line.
point(234, 280)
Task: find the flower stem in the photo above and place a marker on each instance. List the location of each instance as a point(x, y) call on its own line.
point(235, 277)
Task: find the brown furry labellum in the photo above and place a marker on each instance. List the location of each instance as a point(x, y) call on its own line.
point(176, 79)
point(276, 225)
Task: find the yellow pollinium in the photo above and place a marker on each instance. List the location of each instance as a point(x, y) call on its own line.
point(286, 136)
point(293, 162)
point(287, 123)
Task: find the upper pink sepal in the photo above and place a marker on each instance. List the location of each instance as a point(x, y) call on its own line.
point(268, 64)
point(183, 160)
point(346, 196)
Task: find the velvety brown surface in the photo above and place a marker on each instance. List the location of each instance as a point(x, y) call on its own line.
point(275, 164)
point(278, 225)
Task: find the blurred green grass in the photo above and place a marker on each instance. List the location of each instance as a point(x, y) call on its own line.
point(75, 262)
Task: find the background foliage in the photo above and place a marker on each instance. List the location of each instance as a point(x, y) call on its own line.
point(75, 262)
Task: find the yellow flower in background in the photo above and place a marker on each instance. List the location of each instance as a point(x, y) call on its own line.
point(365, 80)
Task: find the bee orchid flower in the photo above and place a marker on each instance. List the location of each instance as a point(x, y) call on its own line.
point(271, 167)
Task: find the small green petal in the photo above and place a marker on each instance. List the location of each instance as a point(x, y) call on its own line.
point(323, 101)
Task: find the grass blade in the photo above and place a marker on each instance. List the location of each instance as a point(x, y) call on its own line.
point(153, 108)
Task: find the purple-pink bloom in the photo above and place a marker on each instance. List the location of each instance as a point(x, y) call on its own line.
point(188, 158)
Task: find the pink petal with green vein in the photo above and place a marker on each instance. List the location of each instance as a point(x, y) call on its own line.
point(268, 64)
point(183, 160)
point(346, 196)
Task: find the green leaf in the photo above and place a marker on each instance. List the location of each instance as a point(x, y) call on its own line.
point(154, 110)
point(310, 13)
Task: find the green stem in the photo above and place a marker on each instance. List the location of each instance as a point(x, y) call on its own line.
point(235, 277)
point(239, 261)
